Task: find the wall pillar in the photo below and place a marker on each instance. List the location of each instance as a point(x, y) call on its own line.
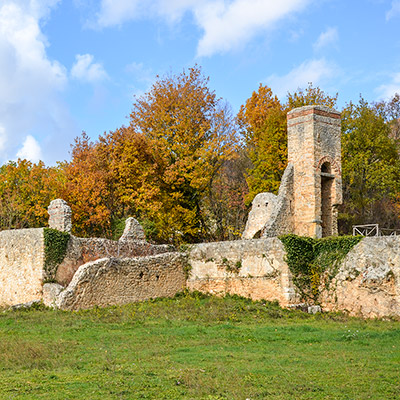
point(314, 148)
point(60, 215)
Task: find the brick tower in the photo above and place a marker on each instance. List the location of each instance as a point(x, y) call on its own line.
point(314, 149)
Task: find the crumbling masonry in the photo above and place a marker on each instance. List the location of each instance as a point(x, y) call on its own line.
point(311, 187)
point(103, 272)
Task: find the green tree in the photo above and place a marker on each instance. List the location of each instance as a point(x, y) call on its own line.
point(390, 110)
point(370, 163)
point(310, 96)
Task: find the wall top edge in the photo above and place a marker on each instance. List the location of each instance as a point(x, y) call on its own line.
point(20, 231)
point(317, 110)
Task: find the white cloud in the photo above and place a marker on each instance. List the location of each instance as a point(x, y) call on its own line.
point(387, 91)
point(86, 70)
point(116, 12)
point(329, 37)
point(30, 82)
point(3, 138)
point(174, 10)
point(394, 10)
point(30, 150)
point(140, 72)
point(315, 71)
point(226, 24)
point(229, 26)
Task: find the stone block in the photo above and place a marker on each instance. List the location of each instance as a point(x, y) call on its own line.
point(60, 215)
point(133, 230)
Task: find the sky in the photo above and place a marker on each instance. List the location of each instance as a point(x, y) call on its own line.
point(68, 66)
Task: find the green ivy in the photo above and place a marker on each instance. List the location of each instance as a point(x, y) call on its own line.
point(55, 248)
point(310, 260)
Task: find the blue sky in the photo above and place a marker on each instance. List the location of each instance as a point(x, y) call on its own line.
point(73, 65)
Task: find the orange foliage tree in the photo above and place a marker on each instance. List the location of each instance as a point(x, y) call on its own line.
point(160, 167)
point(26, 190)
point(90, 188)
point(190, 131)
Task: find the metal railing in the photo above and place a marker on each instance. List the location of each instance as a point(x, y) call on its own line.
point(374, 230)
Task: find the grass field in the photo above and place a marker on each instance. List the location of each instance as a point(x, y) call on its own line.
point(196, 347)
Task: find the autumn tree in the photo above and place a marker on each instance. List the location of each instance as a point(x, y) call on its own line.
point(310, 96)
point(160, 167)
point(263, 123)
point(191, 135)
point(90, 188)
point(26, 190)
point(371, 168)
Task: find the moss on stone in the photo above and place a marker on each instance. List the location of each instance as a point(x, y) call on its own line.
point(55, 248)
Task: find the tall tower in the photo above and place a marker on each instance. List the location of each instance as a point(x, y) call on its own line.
point(314, 149)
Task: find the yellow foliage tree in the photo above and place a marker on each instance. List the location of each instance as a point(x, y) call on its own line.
point(263, 122)
point(191, 136)
point(26, 190)
point(159, 168)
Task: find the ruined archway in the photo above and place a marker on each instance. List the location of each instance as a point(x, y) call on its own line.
point(327, 179)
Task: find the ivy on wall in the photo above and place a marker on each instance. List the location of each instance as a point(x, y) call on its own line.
point(55, 248)
point(312, 261)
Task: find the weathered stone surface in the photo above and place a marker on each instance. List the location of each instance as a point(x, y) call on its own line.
point(29, 304)
point(261, 209)
point(251, 268)
point(133, 230)
point(368, 282)
point(50, 293)
point(21, 266)
point(82, 250)
point(60, 215)
point(314, 309)
point(119, 281)
point(314, 149)
point(281, 220)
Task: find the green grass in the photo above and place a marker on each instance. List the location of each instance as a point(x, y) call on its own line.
point(196, 347)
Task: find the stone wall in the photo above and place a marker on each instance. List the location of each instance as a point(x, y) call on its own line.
point(251, 268)
point(111, 281)
point(21, 266)
point(368, 282)
point(261, 209)
point(82, 250)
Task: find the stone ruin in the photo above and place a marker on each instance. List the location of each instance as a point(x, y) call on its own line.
point(60, 215)
point(311, 187)
point(133, 230)
point(105, 272)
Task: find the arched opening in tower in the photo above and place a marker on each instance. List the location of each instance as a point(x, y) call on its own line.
point(326, 199)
